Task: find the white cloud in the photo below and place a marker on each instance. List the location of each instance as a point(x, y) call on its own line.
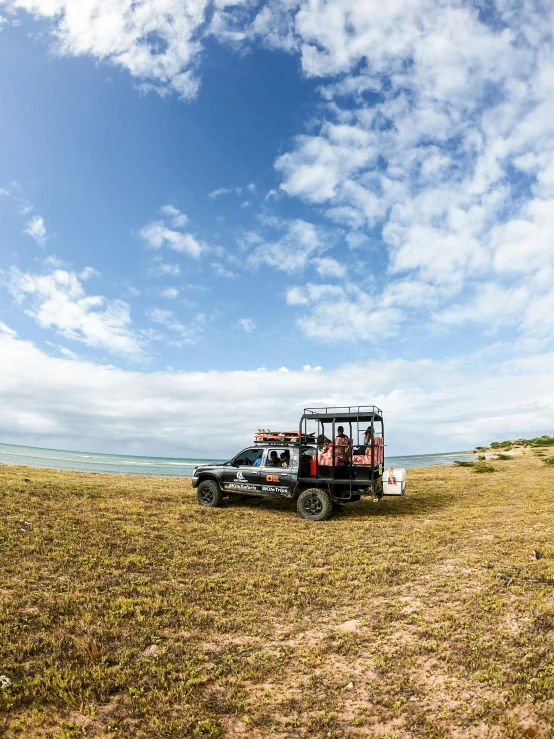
point(283, 369)
point(221, 271)
point(327, 267)
point(177, 219)
point(311, 293)
point(464, 402)
point(538, 319)
point(459, 101)
point(247, 325)
point(159, 268)
point(526, 244)
point(156, 234)
point(4, 329)
point(309, 368)
point(344, 314)
point(158, 43)
point(220, 191)
point(53, 261)
point(492, 304)
point(36, 229)
point(186, 333)
point(251, 188)
point(351, 313)
point(170, 293)
point(320, 163)
point(88, 272)
point(58, 300)
point(293, 251)
point(67, 353)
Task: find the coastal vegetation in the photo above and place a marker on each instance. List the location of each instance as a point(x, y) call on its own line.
point(538, 441)
point(479, 465)
point(126, 610)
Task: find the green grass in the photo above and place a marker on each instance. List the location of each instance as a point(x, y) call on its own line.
point(126, 610)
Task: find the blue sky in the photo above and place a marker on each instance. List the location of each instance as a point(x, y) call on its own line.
point(316, 201)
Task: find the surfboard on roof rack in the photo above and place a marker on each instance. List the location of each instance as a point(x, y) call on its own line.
point(266, 435)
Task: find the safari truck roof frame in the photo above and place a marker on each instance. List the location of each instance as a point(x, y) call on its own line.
point(344, 413)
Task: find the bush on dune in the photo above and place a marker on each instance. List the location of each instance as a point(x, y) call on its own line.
point(537, 442)
point(540, 441)
point(484, 468)
point(477, 466)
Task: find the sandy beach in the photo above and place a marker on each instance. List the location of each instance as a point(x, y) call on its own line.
point(126, 610)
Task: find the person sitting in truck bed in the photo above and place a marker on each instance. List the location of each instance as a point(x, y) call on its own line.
point(371, 453)
point(342, 442)
point(369, 436)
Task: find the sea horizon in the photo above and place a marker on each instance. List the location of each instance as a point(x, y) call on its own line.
point(131, 464)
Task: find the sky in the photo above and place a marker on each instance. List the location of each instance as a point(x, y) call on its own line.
point(214, 214)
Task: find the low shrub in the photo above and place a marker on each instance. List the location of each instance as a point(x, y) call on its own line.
point(484, 468)
point(481, 457)
point(503, 456)
point(459, 463)
point(548, 460)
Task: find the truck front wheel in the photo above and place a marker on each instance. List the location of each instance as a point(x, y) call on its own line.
point(209, 494)
point(314, 504)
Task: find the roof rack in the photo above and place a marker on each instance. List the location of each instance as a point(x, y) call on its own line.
point(283, 438)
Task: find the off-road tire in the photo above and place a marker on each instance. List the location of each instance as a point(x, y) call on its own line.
point(209, 494)
point(314, 504)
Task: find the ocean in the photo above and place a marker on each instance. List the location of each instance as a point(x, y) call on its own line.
point(164, 466)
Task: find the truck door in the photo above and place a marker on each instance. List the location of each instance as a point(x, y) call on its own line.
point(242, 476)
point(279, 471)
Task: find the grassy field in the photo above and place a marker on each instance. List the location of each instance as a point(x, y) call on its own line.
point(126, 610)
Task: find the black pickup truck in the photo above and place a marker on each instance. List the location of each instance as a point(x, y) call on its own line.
point(336, 457)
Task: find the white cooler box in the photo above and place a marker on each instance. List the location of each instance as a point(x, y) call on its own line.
point(399, 486)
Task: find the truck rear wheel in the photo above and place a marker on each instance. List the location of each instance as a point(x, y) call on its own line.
point(314, 504)
point(209, 494)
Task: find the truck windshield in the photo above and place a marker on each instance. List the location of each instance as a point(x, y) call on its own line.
point(247, 457)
